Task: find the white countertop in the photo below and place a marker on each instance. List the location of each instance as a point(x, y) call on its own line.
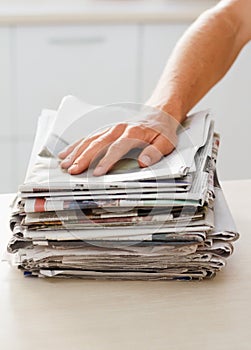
point(106, 315)
point(14, 12)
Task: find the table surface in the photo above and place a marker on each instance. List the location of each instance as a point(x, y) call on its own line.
point(75, 314)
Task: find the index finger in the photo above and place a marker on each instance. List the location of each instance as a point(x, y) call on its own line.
point(67, 150)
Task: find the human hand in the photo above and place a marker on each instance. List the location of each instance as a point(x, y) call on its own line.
point(155, 135)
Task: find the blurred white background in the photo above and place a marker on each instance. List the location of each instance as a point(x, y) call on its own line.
point(103, 52)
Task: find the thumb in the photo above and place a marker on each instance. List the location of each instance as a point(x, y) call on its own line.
point(149, 156)
point(154, 152)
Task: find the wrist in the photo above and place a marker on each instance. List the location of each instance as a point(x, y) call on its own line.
point(169, 108)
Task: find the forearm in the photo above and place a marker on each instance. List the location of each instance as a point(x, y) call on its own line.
point(201, 58)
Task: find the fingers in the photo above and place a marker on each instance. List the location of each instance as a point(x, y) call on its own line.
point(136, 136)
point(96, 147)
point(161, 146)
point(63, 154)
point(114, 153)
point(157, 139)
point(78, 150)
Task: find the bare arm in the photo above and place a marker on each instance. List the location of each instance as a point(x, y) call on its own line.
point(203, 56)
point(200, 59)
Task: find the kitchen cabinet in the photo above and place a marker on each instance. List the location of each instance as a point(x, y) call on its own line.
point(158, 41)
point(22, 151)
point(8, 167)
point(7, 124)
point(95, 62)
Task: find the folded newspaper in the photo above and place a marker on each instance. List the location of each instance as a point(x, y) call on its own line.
point(166, 222)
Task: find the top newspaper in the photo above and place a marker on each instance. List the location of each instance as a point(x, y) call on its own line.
point(75, 120)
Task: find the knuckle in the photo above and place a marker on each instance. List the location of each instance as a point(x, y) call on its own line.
point(117, 130)
point(95, 143)
point(121, 125)
point(135, 131)
point(170, 138)
point(116, 146)
point(167, 147)
point(79, 146)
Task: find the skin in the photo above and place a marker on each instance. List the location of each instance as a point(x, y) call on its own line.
point(200, 59)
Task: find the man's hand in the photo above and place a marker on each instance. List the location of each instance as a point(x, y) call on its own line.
point(156, 135)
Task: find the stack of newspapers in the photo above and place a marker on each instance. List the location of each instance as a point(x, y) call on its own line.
point(166, 222)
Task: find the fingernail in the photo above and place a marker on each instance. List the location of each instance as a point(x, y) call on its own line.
point(62, 164)
point(73, 167)
point(99, 171)
point(145, 160)
point(66, 160)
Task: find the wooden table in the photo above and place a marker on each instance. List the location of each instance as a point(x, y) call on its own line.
point(94, 315)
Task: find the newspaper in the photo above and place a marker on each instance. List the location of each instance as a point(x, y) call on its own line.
point(130, 224)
